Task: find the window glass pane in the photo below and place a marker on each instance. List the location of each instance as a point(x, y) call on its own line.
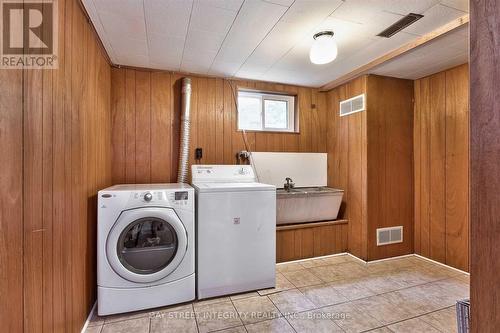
point(276, 114)
point(249, 116)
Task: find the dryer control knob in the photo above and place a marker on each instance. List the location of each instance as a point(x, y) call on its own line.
point(148, 197)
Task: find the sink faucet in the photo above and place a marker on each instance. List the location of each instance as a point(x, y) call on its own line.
point(289, 184)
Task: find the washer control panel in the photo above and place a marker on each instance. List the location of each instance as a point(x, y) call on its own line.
point(174, 198)
point(222, 173)
point(149, 196)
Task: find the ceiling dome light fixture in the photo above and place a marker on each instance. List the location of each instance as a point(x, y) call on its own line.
point(324, 48)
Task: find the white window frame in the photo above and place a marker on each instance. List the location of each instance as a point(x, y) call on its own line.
point(263, 96)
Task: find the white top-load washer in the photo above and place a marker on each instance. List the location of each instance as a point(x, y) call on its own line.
point(145, 247)
point(236, 230)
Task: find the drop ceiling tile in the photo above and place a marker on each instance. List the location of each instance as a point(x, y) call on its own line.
point(272, 48)
point(233, 5)
point(399, 66)
point(336, 70)
point(204, 40)
point(443, 51)
point(196, 67)
point(281, 75)
point(165, 44)
point(165, 51)
point(283, 37)
point(122, 8)
point(454, 41)
point(116, 26)
point(194, 55)
point(296, 77)
point(286, 3)
point(385, 45)
point(436, 67)
point(125, 27)
point(269, 41)
point(430, 58)
point(222, 68)
point(253, 73)
point(404, 7)
point(368, 14)
point(134, 61)
point(463, 31)
point(168, 17)
point(209, 18)
point(310, 12)
point(165, 64)
point(298, 22)
point(449, 44)
point(254, 21)
point(207, 30)
point(194, 60)
point(126, 46)
point(434, 18)
point(462, 5)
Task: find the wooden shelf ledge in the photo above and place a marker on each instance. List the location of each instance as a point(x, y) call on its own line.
point(310, 225)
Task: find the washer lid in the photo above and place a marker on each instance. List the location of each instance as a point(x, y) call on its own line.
point(146, 244)
point(233, 187)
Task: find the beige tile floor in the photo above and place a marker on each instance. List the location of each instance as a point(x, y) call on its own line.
point(335, 294)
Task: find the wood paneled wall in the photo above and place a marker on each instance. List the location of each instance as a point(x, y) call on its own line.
point(145, 123)
point(390, 162)
point(346, 141)
point(485, 165)
point(370, 157)
point(11, 203)
point(441, 136)
point(55, 138)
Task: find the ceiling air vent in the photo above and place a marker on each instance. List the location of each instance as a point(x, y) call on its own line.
point(400, 25)
point(352, 105)
point(390, 235)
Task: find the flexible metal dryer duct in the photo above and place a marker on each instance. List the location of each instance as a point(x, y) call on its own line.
point(185, 128)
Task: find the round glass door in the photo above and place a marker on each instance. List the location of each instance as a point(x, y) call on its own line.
point(147, 245)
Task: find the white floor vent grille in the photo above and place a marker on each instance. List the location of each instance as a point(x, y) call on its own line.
point(390, 235)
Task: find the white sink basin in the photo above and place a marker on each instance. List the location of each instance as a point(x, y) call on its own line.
point(308, 204)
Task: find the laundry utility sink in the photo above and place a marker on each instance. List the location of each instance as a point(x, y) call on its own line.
point(307, 204)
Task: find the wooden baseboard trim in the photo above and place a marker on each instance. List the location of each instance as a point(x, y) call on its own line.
point(314, 258)
point(441, 264)
point(406, 256)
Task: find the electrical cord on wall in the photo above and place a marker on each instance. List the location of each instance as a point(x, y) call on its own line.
point(243, 132)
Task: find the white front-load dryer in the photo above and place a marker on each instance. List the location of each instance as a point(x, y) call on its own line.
point(145, 247)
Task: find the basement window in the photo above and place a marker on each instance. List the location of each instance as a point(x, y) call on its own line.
point(261, 111)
